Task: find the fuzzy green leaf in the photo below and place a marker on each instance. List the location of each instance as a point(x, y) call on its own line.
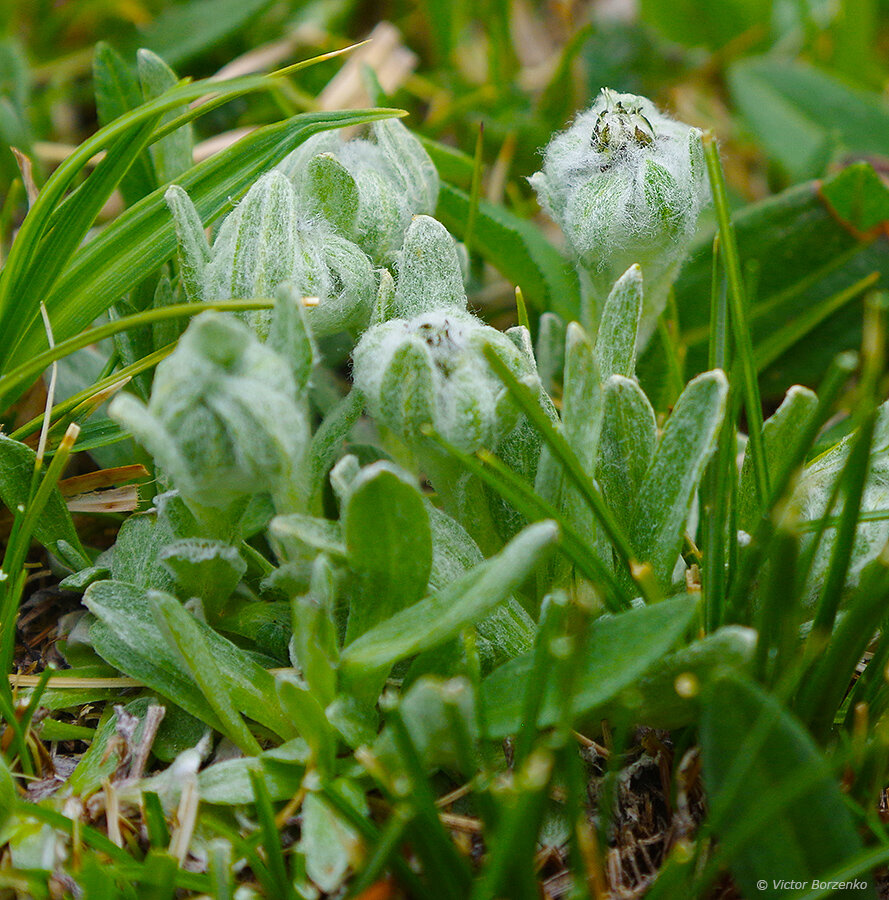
point(666, 492)
point(778, 433)
point(517, 249)
point(128, 637)
point(388, 545)
point(228, 782)
point(627, 446)
point(203, 568)
point(619, 326)
point(331, 192)
point(182, 632)
point(581, 396)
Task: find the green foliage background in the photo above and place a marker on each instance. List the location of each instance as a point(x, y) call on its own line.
point(751, 666)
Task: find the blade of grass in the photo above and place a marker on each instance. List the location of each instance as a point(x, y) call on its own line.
point(220, 869)
point(837, 375)
point(143, 237)
point(475, 190)
point(779, 617)
point(341, 805)
point(271, 838)
point(552, 617)
point(11, 581)
point(443, 865)
point(31, 370)
point(71, 221)
point(39, 218)
point(81, 405)
point(382, 853)
point(714, 493)
point(823, 690)
point(521, 309)
point(738, 316)
point(771, 348)
point(510, 865)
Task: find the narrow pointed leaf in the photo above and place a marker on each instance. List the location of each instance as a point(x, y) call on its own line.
point(627, 446)
point(666, 493)
point(618, 328)
point(446, 613)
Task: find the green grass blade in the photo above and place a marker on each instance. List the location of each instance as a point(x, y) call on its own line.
point(78, 404)
point(839, 372)
point(13, 280)
point(854, 480)
point(342, 805)
point(271, 838)
point(22, 375)
point(143, 237)
point(738, 318)
point(73, 218)
point(823, 690)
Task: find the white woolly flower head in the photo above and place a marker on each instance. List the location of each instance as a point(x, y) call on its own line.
point(269, 239)
point(223, 417)
point(368, 188)
point(626, 184)
point(431, 369)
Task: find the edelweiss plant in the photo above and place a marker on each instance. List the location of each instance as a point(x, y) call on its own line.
point(367, 189)
point(225, 422)
point(625, 183)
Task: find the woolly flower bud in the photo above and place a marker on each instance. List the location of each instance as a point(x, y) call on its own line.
point(626, 184)
point(429, 273)
point(432, 370)
point(266, 241)
point(223, 420)
point(392, 179)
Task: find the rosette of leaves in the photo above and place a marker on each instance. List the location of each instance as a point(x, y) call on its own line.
point(625, 183)
point(269, 239)
point(224, 423)
point(368, 190)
